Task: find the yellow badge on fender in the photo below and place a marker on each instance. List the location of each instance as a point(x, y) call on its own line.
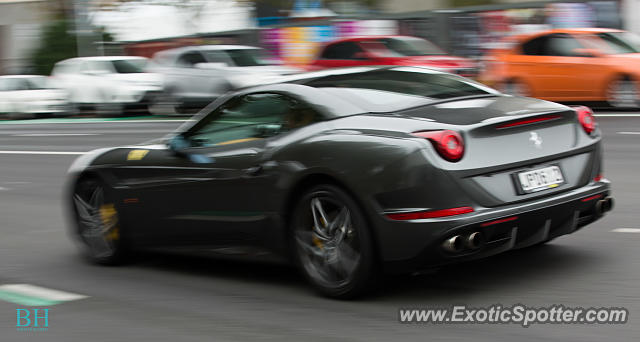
point(137, 154)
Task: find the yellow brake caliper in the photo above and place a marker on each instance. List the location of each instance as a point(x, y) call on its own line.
point(315, 239)
point(109, 217)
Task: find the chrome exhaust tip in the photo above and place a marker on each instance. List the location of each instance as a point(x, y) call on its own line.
point(453, 244)
point(609, 202)
point(604, 205)
point(474, 240)
point(600, 207)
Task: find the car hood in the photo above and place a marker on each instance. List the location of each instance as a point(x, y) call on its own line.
point(40, 94)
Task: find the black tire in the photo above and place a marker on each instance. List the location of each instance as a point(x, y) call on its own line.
point(98, 226)
point(336, 254)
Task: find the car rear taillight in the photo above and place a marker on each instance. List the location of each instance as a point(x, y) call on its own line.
point(427, 214)
point(586, 118)
point(449, 144)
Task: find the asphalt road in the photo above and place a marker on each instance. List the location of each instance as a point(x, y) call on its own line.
point(168, 298)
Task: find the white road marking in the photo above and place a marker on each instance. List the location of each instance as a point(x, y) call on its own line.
point(80, 121)
point(52, 134)
point(41, 292)
point(617, 115)
point(630, 133)
point(43, 152)
point(626, 230)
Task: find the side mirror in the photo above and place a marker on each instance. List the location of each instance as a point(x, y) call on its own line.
point(178, 144)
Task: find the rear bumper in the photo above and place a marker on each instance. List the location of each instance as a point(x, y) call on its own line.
point(502, 229)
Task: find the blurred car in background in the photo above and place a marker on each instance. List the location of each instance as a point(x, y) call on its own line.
point(110, 84)
point(569, 65)
point(390, 50)
point(27, 96)
point(196, 75)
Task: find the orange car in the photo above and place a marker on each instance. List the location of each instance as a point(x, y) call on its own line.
point(569, 65)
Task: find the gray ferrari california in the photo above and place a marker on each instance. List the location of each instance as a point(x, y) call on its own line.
point(347, 174)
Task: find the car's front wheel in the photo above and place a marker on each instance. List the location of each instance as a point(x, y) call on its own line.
point(98, 223)
point(333, 243)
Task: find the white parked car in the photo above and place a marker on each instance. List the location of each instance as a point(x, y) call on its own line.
point(110, 84)
point(196, 75)
point(26, 96)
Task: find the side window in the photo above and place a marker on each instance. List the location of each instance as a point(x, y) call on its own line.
point(100, 67)
point(189, 59)
point(3, 85)
point(562, 45)
point(345, 50)
point(219, 57)
point(552, 45)
point(251, 117)
point(535, 47)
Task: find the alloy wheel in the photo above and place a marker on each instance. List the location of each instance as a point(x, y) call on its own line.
point(329, 244)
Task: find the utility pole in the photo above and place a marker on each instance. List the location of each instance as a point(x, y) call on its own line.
point(83, 29)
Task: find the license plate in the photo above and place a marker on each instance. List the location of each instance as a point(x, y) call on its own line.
point(540, 179)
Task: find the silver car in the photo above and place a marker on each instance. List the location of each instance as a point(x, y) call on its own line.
point(196, 75)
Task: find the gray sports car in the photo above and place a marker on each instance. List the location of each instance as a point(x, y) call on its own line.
point(349, 173)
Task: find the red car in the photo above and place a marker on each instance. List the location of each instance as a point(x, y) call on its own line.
point(390, 50)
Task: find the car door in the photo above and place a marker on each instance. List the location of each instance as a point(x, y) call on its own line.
point(190, 82)
point(215, 190)
point(569, 70)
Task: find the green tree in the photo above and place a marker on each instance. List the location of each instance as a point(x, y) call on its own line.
point(56, 43)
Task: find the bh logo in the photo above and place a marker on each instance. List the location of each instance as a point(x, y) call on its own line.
point(32, 319)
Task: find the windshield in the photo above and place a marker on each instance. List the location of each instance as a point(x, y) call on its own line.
point(620, 42)
point(402, 47)
point(129, 66)
point(248, 57)
point(37, 83)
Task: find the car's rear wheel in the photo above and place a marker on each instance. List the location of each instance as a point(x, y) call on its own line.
point(623, 93)
point(98, 223)
point(332, 242)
